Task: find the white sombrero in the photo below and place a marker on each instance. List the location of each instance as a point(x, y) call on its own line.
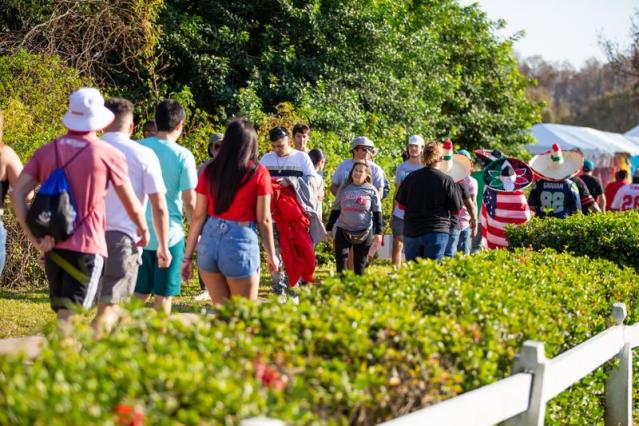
point(457, 166)
point(557, 164)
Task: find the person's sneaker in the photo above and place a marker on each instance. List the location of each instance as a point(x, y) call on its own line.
point(281, 299)
point(202, 297)
point(295, 299)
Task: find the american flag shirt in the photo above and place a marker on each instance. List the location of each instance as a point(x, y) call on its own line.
point(498, 210)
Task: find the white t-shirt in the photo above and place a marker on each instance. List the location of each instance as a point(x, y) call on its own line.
point(344, 168)
point(145, 175)
point(627, 198)
point(403, 170)
point(295, 164)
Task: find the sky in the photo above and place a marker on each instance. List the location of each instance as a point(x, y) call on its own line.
point(563, 30)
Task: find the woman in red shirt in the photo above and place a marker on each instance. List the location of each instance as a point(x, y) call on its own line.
point(233, 200)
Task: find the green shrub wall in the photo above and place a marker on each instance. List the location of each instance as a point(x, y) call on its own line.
point(355, 351)
point(612, 236)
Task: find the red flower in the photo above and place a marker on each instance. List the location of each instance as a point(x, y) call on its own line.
point(126, 415)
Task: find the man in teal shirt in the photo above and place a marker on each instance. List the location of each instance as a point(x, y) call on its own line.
point(180, 178)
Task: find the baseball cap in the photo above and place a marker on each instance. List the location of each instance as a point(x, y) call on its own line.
point(277, 133)
point(465, 154)
point(416, 140)
point(362, 141)
point(216, 138)
point(589, 166)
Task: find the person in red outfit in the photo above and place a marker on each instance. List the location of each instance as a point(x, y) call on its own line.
point(613, 187)
point(233, 200)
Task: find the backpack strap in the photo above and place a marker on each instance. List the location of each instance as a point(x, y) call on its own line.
point(55, 144)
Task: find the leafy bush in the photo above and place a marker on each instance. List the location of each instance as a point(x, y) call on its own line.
point(21, 267)
point(34, 93)
point(612, 236)
point(356, 350)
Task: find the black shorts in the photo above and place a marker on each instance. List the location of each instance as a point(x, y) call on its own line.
point(67, 290)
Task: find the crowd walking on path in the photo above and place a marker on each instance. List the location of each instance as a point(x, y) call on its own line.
point(108, 213)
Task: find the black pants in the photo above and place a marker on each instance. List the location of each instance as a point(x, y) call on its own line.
point(360, 252)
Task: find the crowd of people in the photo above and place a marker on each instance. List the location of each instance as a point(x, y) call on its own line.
point(123, 205)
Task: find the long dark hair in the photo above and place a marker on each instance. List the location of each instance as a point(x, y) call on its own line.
point(234, 165)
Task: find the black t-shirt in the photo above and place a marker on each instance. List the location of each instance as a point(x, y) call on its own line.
point(584, 195)
point(429, 198)
point(594, 185)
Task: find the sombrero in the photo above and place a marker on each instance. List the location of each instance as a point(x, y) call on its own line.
point(508, 174)
point(485, 156)
point(457, 166)
point(557, 164)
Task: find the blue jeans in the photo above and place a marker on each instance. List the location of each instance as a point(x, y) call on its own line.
point(427, 246)
point(465, 241)
point(229, 248)
point(3, 245)
point(451, 246)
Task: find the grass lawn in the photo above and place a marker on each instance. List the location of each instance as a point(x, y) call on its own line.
point(27, 312)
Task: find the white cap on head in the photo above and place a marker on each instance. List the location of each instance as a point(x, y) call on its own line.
point(416, 140)
point(87, 112)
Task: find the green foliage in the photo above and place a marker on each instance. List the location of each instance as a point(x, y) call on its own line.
point(34, 93)
point(385, 69)
point(356, 350)
point(21, 267)
point(612, 236)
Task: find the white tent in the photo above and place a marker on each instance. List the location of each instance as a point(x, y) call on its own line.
point(633, 134)
point(596, 145)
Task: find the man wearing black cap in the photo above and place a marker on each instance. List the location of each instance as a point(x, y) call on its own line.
point(594, 184)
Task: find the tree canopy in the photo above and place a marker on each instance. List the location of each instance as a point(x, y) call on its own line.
point(381, 68)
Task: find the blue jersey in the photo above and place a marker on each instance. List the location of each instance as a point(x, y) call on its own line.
point(555, 199)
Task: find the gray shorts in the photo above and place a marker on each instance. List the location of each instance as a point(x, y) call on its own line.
point(397, 225)
point(120, 268)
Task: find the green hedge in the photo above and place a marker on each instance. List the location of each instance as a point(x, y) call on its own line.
point(355, 351)
point(612, 236)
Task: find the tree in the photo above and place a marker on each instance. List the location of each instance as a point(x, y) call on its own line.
point(384, 68)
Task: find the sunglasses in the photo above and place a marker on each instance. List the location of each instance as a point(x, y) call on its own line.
point(364, 148)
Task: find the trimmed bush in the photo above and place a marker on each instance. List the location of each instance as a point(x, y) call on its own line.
point(612, 236)
point(357, 350)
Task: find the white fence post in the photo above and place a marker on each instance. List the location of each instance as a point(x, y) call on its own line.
point(619, 382)
point(532, 359)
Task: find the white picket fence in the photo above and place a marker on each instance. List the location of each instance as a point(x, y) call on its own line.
point(521, 398)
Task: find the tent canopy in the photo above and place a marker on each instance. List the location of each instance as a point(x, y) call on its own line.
point(594, 144)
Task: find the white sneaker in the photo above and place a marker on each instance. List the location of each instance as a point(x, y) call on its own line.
point(202, 297)
point(295, 299)
point(281, 299)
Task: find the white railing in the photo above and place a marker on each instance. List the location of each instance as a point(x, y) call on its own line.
point(521, 398)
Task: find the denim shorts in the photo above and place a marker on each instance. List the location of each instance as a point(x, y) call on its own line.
point(229, 248)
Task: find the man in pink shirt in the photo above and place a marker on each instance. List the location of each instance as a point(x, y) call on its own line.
point(73, 266)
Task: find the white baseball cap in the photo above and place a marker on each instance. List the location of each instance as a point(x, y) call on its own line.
point(87, 111)
point(416, 140)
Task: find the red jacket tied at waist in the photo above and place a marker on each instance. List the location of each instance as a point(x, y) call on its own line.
point(292, 225)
